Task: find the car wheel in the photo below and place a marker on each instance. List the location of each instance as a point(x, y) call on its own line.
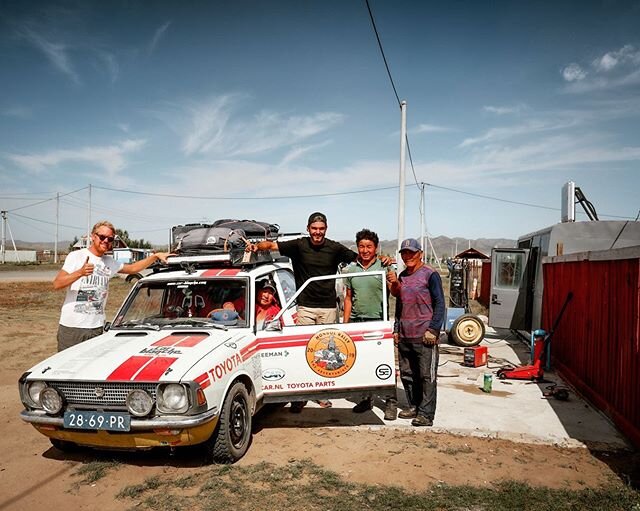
point(232, 436)
point(467, 330)
point(64, 445)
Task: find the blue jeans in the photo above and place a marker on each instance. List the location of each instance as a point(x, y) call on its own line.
point(418, 372)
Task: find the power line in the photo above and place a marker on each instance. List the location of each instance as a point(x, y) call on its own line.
point(49, 223)
point(46, 200)
point(281, 197)
point(384, 58)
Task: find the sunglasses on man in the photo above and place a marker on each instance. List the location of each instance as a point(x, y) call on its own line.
point(103, 237)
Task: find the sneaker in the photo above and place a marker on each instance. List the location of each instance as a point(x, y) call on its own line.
point(421, 420)
point(322, 403)
point(390, 412)
point(297, 406)
point(363, 406)
point(408, 413)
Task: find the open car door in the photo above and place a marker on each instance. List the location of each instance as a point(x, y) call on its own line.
point(302, 362)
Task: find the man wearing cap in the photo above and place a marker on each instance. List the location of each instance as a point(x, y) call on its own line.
point(420, 309)
point(266, 306)
point(313, 256)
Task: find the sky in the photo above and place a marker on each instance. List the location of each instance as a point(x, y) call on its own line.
point(153, 114)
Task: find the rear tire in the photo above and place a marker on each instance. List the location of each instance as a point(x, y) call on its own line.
point(468, 330)
point(232, 435)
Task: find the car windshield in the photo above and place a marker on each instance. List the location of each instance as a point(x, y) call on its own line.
point(214, 303)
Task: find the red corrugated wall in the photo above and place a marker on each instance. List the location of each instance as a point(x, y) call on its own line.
point(597, 342)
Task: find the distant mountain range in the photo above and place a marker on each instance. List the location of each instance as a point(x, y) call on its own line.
point(442, 245)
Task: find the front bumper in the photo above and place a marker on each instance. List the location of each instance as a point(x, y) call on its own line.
point(170, 431)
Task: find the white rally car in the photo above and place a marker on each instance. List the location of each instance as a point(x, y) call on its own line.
point(177, 368)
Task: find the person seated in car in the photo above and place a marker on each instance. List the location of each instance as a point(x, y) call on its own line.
point(266, 304)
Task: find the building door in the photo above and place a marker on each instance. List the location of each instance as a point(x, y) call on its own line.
point(508, 303)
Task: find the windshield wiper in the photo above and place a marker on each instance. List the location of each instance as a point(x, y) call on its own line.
point(136, 324)
point(194, 322)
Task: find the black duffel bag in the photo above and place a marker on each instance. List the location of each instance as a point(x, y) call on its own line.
point(210, 240)
point(252, 228)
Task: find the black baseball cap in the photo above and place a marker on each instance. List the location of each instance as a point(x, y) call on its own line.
point(317, 217)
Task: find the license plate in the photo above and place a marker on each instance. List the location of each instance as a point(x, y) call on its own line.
point(110, 421)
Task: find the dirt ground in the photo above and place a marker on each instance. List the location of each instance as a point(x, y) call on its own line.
point(34, 475)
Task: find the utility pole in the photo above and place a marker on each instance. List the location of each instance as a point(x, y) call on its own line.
point(403, 152)
point(3, 242)
point(422, 228)
point(55, 242)
point(89, 219)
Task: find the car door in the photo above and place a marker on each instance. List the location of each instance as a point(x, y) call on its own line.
point(301, 362)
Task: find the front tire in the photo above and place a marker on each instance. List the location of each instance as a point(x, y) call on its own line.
point(232, 436)
point(468, 330)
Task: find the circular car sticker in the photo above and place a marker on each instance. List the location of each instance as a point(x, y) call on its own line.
point(331, 353)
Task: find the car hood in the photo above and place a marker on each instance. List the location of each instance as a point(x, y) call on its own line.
point(133, 355)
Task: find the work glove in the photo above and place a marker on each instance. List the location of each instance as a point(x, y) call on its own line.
point(429, 338)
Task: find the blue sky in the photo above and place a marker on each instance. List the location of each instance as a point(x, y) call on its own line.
point(274, 109)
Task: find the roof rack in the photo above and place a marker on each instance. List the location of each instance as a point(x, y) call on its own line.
point(232, 258)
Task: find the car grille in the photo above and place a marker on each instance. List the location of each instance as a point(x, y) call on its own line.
point(100, 394)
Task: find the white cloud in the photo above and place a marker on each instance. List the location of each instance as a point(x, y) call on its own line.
point(430, 128)
point(627, 55)
point(504, 110)
point(158, 34)
point(573, 73)
point(211, 127)
point(298, 151)
point(110, 159)
point(56, 53)
point(614, 69)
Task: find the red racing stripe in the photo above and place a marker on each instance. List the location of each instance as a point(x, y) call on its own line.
point(221, 273)
point(191, 341)
point(154, 369)
point(128, 368)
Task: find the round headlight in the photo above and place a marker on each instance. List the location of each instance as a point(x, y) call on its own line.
point(33, 390)
point(173, 398)
point(51, 400)
point(139, 403)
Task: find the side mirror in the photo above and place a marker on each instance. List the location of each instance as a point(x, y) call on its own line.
point(273, 326)
point(107, 326)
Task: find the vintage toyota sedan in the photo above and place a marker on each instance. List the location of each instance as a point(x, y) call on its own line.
point(185, 362)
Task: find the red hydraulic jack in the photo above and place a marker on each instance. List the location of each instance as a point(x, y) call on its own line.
point(540, 342)
point(530, 372)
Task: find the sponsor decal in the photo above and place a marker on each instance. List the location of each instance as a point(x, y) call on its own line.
point(224, 368)
point(384, 371)
point(331, 353)
point(161, 350)
point(273, 374)
point(311, 384)
point(270, 354)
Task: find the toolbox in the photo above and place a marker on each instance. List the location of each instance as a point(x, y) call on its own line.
point(475, 356)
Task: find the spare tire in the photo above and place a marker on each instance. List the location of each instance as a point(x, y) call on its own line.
point(467, 330)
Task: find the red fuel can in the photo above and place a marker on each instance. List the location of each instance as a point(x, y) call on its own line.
point(475, 357)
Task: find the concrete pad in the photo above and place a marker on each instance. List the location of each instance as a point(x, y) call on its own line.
point(514, 410)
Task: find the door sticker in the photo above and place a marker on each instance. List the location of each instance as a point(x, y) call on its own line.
point(331, 353)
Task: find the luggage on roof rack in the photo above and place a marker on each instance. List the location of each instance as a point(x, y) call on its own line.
point(202, 239)
point(252, 228)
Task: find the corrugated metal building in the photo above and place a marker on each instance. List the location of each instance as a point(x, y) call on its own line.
point(596, 345)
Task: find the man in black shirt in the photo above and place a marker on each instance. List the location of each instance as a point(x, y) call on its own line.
point(313, 256)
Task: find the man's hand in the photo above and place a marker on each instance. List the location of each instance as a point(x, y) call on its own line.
point(250, 247)
point(87, 268)
point(385, 260)
point(392, 277)
point(429, 338)
point(396, 338)
point(162, 256)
